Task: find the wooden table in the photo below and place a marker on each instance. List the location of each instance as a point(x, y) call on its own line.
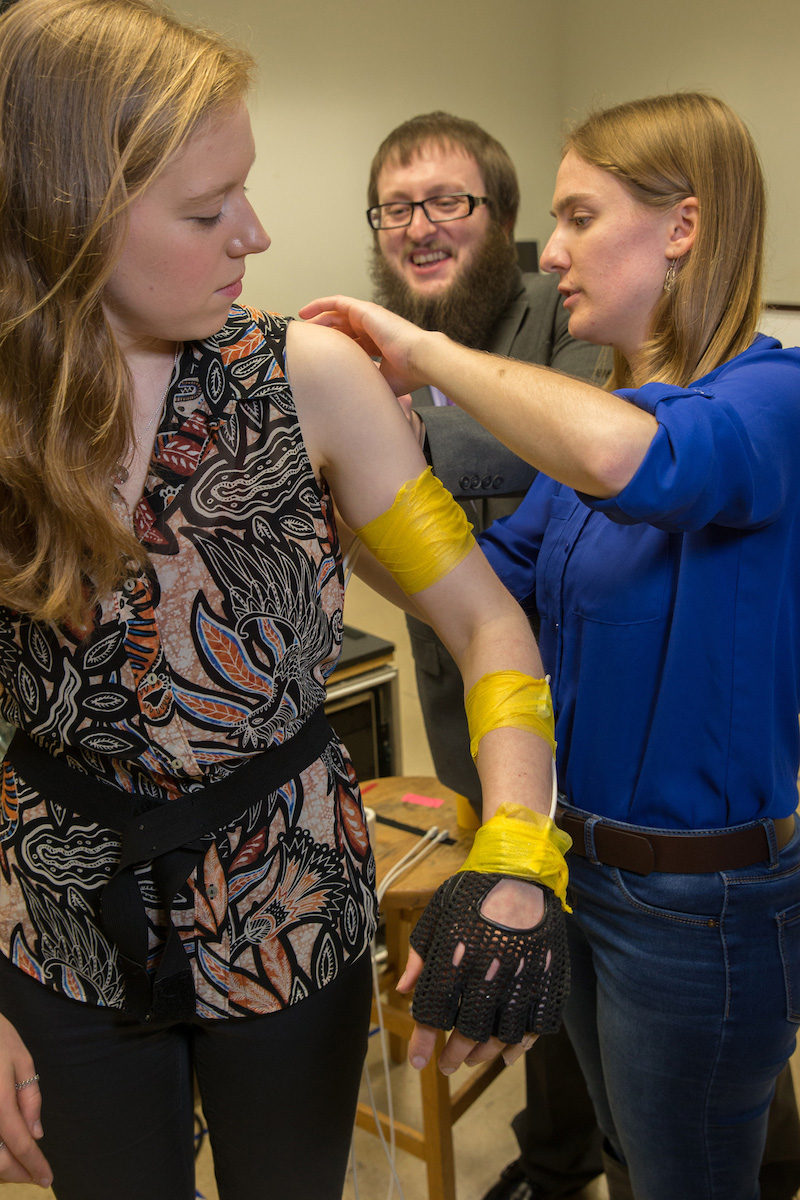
point(402, 904)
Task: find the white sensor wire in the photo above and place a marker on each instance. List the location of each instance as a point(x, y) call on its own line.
point(350, 559)
point(554, 794)
point(421, 849)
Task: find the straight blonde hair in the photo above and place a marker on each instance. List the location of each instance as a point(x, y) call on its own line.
point(664, 149)
point(96, 96)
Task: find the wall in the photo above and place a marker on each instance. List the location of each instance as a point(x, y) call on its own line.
point(746, 53)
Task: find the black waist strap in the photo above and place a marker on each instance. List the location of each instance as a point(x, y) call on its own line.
point(172, 836)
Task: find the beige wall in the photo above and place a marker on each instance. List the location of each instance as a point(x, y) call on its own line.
point(747, 53)
point(337, 75)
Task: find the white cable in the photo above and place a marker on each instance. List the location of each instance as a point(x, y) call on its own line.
point(554, 775)
point(428, 842)
point(402, 863)
point(421, 850)
point(350, 559)
point(391, 1150)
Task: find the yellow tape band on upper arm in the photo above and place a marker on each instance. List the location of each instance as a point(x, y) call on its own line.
point(518, 841)
point(422, 537)
point(509, 698)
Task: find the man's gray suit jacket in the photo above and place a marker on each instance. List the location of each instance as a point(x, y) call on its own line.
point(489, 481)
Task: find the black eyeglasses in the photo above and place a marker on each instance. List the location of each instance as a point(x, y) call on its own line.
point(437, 209)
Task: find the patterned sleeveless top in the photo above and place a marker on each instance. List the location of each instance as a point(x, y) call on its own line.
point(219, 651)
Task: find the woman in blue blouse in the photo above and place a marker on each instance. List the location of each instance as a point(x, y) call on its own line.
point(659, 546)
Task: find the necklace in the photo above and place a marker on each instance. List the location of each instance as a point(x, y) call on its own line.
point(121, 474)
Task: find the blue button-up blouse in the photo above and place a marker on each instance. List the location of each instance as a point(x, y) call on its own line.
point(670, 614)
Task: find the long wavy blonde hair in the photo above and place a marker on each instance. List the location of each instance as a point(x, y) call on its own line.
point(95, 98)
point(664, 149)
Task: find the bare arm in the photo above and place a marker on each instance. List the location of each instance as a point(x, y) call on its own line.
point(359, 440)
point(571, 430)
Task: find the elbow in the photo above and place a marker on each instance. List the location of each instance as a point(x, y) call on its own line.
point(614, 460)
point(606, 475)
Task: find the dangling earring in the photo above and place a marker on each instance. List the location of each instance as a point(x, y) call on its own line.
point(671, 276)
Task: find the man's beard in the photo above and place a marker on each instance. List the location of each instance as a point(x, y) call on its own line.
point(468, 309)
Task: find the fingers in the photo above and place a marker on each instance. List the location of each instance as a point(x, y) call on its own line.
point(29, 1101)
point(324, 304)
point(21, 1160)
point(480, 1052)
point(412, 972)
point(460, 1049)
point(13, 1171)
point(484, 1052)
point(512, 1053)
point(421, 1046)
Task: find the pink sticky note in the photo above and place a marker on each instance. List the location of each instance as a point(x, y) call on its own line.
point(425, 801)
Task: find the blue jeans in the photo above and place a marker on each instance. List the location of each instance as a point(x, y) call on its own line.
point(684, 1008)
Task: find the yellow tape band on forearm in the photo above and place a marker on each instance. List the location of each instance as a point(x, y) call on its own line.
point(509, 698)
point(422, 537)
point(518, 841)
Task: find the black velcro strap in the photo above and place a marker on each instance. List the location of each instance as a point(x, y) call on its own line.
point(170, 835)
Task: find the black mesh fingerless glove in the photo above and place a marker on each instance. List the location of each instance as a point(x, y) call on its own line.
point(518, 1000)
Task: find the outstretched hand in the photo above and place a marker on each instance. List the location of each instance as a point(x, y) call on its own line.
point(459, 1050)
point(492, 957)
point(380, 333)
point(21, 1160)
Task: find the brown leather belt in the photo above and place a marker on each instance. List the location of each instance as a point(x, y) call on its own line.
point(676, 853)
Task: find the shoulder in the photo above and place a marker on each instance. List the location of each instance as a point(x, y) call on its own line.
point(314, 345)
point(247, 333)
point(765, 360)
point(762, 376)
point(325, 366)
point(340, 395)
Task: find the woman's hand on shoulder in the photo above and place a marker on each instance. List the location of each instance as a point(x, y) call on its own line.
point(21, 1160)
point(379, 332)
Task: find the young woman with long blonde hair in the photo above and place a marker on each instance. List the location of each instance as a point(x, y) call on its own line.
point(186, 881)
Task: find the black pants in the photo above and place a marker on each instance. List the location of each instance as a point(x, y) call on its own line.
point(279, 1093)
point(557, 1132)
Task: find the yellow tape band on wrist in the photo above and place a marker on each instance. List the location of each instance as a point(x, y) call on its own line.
point(509, 698)
point(422, 537)
point(518, 841)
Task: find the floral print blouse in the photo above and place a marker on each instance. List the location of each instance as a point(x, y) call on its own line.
point(219, 651)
